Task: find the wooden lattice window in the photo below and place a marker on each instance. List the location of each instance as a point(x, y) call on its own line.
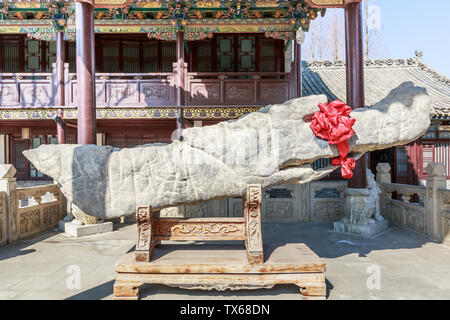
point(401, 164)
point(33, 55)
point(168, 55)
point(110, 56)
point(246, 54)
point(204, 56)
point(267, 55)
point(50, 55)
point(10, 52)
point(150, 56)
point(72, 57)
point(225, 53)
point(131, 62)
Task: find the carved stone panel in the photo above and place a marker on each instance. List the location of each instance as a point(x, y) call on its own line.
point(328, 211)
point(278, 209)
point(415, 219)
point(395, 213)
point(50, 215)
point(35, 94)
point(100, 92)
point(216, 208)
point(172, 212)
point(8, 95)
point(29, 221)
point(239, 93)
point(156, 94)
point(205, 93)
point(121, 93)
point(272, 91)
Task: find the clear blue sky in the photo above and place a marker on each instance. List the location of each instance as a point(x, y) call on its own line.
point(409, 25)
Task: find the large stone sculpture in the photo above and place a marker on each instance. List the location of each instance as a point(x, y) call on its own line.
point(272, 146)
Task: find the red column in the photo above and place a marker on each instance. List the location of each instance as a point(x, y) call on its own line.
point(180, 83)
point(86, 73)
point(298, 68)
point(60, 99)
point(355, 77)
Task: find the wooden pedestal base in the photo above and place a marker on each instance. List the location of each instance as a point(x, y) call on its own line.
point(222, 267)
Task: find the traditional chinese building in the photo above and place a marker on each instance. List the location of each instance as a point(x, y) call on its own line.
point(235, 57)
point(125, 73)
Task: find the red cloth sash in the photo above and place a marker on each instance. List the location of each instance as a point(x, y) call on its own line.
point(333, 124)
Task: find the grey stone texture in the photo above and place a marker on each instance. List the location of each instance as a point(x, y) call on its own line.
point(272, 146)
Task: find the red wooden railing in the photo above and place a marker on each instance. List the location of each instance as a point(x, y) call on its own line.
point(151, 89)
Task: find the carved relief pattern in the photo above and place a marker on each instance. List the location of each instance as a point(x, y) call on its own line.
point(395, 214)
point(235, 92)
point(198, 229)
point(29, 221)
point(205, 93)
point(144, 225)
point(8, 95)
point(121, 93)
point(328, 211)
point(253, 208)
point(197, 210)
point(282, 209)
point(36, 95)
point(415, 220)
point(273, 92)
point(50, 215)
point(13, 213)
point(155, 92)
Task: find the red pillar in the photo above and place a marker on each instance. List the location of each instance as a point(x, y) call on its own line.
point(298, 68)
point(355, 77)
point(60, 99)
point(86, 73)
point(180, 82)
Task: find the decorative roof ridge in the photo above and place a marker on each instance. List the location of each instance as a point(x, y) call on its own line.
point(380, 63)
point(433, 73)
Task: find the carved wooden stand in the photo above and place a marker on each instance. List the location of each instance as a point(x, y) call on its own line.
point(151, 229)
point(217, 267)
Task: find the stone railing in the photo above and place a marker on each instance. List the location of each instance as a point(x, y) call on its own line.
point(3, 221)
point(420, 209)
point(27, 211)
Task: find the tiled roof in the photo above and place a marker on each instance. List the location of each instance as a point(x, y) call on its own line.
point(380, 76)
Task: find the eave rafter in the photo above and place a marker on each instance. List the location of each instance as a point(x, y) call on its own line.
point(213, 14)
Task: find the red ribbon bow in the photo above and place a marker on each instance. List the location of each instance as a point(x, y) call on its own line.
point(333, 124)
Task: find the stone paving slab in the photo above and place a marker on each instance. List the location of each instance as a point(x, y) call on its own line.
point(411, 267)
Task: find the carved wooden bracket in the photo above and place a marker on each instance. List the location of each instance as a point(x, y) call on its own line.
point(252, 217)
point(145, 240)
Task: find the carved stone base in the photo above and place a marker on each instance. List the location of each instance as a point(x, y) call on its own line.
point(76, 230)
point(222, 267)
point(360, 211)
point(369, 229)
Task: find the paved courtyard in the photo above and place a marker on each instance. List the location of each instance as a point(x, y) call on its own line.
point(409, 266)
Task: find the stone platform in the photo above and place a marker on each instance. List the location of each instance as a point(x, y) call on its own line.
point(366, 230)
point(222, 267)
